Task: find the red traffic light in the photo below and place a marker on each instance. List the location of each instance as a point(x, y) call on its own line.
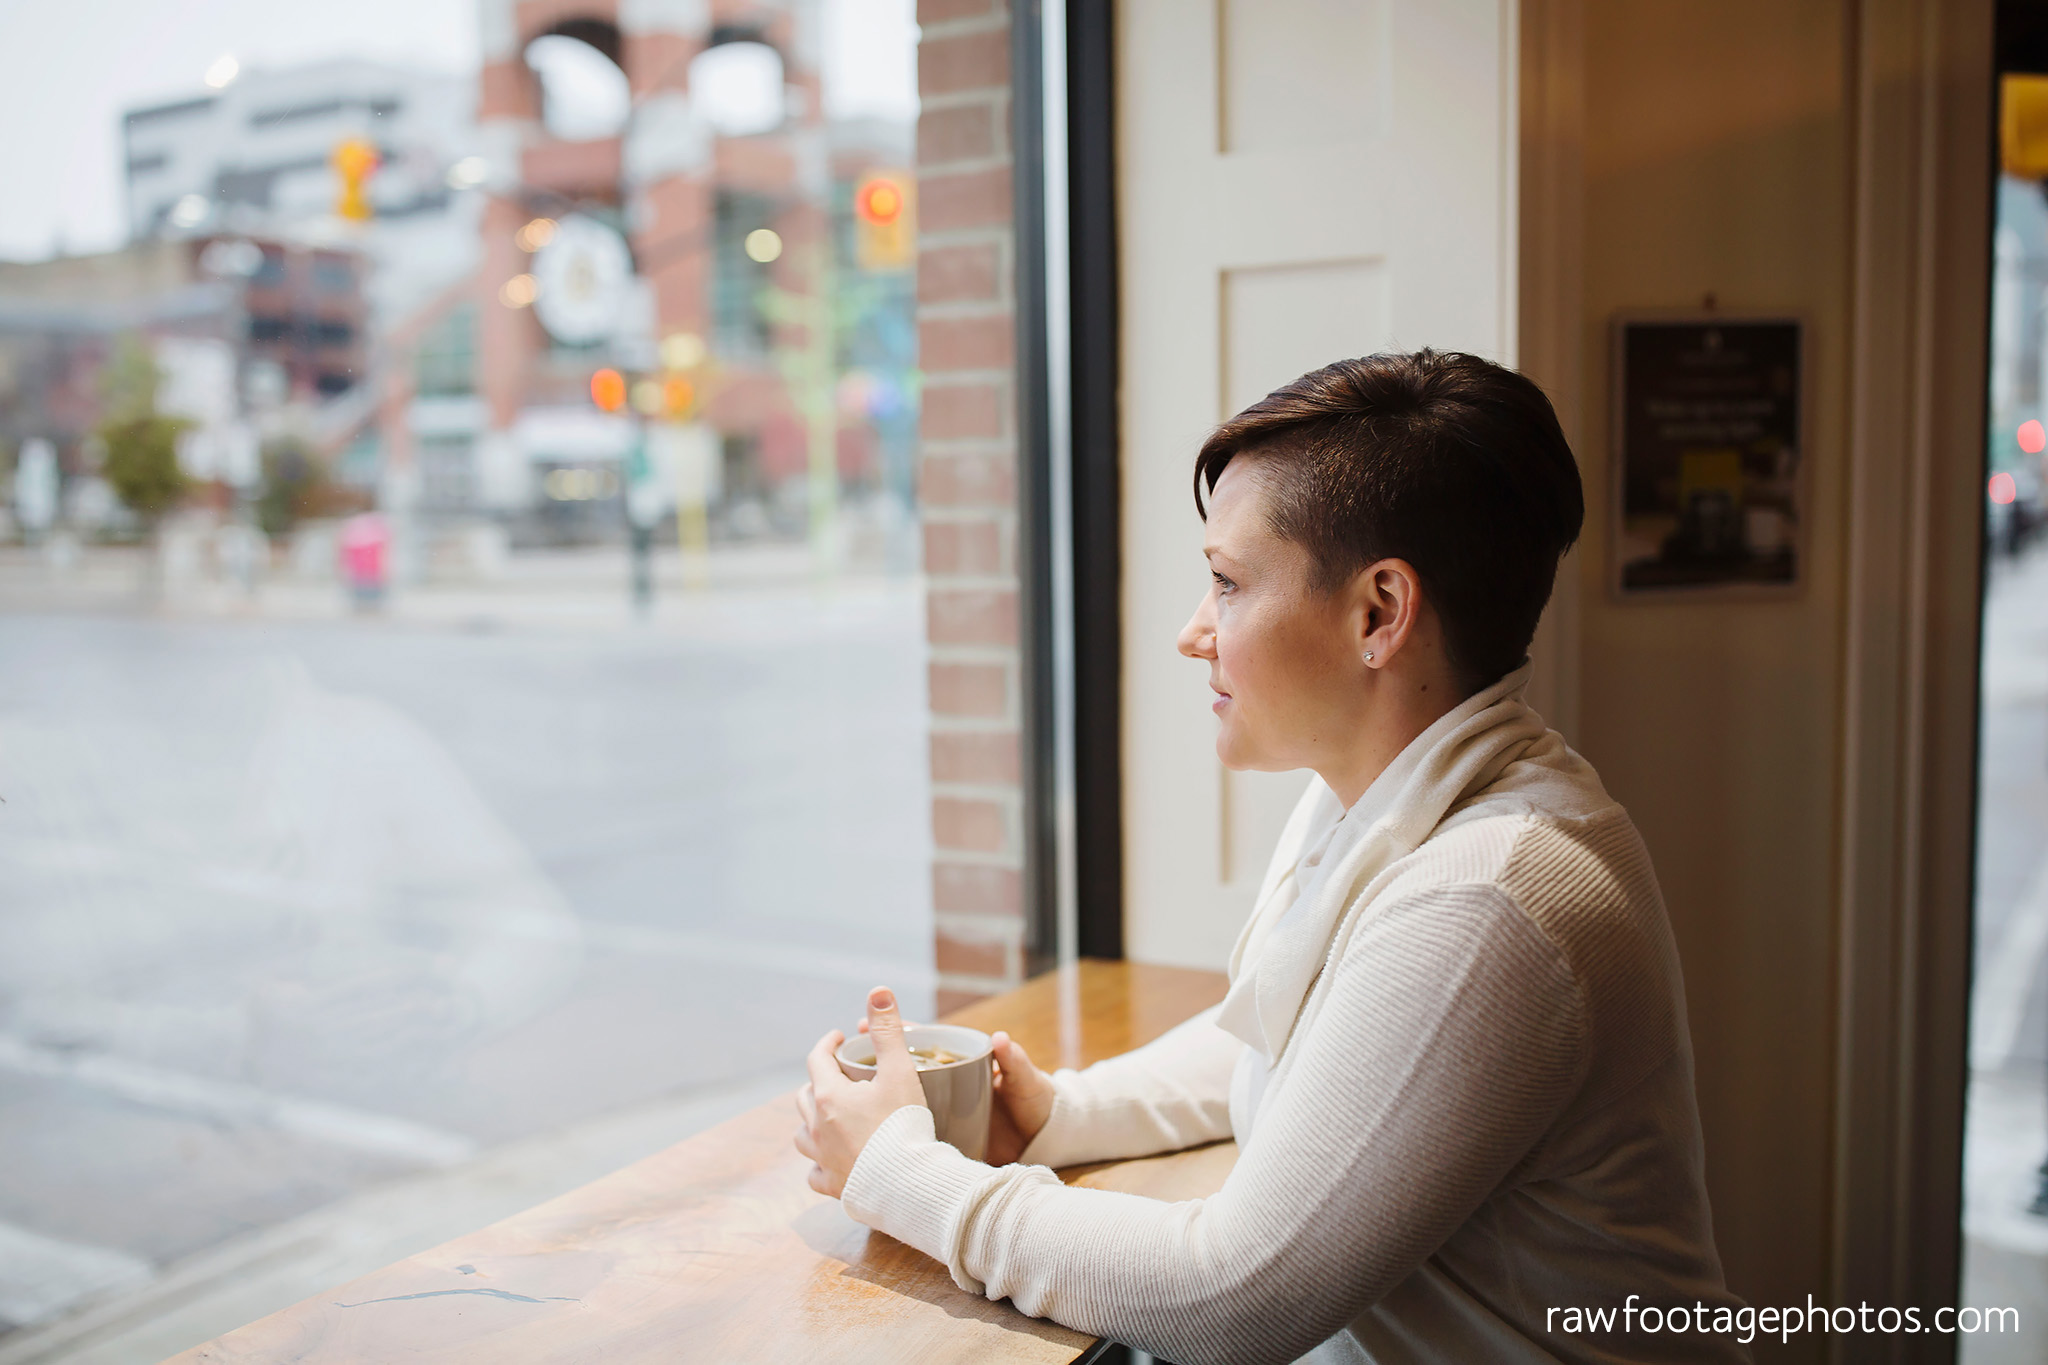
point(608, 390)
point(879, 201)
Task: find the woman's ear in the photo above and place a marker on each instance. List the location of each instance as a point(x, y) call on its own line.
point(1390, 598)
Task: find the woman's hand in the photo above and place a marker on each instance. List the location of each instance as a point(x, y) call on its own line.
point(1023, 1102)
point(840, 1115)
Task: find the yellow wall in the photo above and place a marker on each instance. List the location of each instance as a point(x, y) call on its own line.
point(1717, 160)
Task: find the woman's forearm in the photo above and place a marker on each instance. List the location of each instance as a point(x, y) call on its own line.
point(1172, 1093)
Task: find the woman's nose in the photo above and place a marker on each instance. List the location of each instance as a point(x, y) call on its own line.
point(1198, 636)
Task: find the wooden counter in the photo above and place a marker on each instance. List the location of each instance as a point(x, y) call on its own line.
point(716, 1249)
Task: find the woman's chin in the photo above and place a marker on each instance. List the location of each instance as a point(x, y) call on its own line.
point(1233, 753)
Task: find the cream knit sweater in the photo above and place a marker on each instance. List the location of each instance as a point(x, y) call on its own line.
point(1467, 1100)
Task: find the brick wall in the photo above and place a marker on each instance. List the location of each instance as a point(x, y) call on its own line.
point(966, 335)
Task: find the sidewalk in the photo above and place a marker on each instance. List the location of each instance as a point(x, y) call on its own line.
point(580, 588)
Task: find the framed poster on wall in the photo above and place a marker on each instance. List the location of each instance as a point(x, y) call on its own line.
point(1708, 441)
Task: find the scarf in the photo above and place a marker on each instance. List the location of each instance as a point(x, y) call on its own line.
point(1307, 897)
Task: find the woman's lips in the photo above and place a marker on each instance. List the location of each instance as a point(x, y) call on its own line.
point(1222, 700)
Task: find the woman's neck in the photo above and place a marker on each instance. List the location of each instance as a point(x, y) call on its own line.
point(1402, 703)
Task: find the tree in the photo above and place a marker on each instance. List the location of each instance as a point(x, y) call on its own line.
point(294, 486)
point(141, 464)
point(129, 381)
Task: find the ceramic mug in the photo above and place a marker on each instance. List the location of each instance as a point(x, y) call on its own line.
point(959, 1093)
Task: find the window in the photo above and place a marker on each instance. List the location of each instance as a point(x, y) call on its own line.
point(742, 276)
point(2005, 1165)
point(528, 742)
point(447, 474)
point(445, 365)
point(584, 94)
point(333, 275)
point(295, 113)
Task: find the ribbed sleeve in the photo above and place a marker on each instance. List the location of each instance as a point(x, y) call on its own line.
point(915, 1188)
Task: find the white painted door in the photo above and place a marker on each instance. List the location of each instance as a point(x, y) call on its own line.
point(1299, 181)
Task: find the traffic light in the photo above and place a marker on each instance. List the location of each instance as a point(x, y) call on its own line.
point(673, 397)
point(2023, 126)
point(678, 396)
point(885, 221)
point(355, 160)
point(608, 390)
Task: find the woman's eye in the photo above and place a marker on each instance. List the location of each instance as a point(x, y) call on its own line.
point(1223, 584)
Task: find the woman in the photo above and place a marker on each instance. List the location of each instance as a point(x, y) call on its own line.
point(1454, 1050)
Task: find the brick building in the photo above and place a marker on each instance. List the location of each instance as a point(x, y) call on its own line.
point(686, 195)
point(748, 285)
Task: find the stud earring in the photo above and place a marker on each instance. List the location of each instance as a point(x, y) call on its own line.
point(1368, 656)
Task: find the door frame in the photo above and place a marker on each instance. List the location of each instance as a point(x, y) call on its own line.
point(1064, 131)
point(1920, 291)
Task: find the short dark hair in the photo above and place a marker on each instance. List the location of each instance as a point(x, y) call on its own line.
point(1448, 461)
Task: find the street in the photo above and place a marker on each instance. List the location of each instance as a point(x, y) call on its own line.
point(296, 907)
point(2006, 1137)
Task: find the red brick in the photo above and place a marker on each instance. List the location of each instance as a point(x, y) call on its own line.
point(969, 689)
point(969, 826)
point(984, 343)
point(538, 16)
point(957, 134)
point(974, 547)
point(757, 163)
point(961, 411)
point(976, 889)
point(971, 616)
point(964, 199)
point(572, 168)
point(507, 89)
point(957, 274)
point(968, 481)
point(655, 60)
point(966, 61)
point(975, 756)
point(948, 1000)
point(972, 958)
point(939, 11)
